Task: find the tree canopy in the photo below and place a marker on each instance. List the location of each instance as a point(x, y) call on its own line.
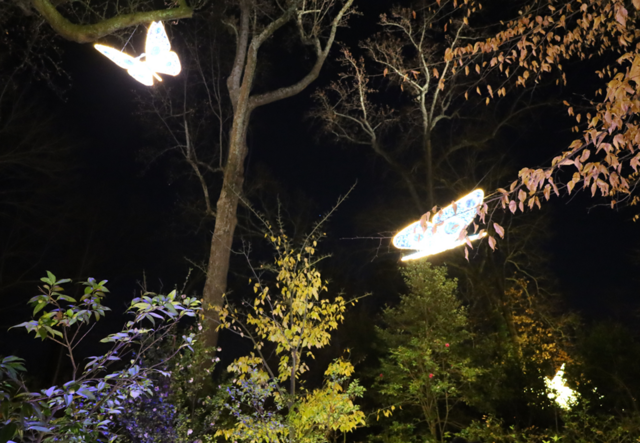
point(279, 104)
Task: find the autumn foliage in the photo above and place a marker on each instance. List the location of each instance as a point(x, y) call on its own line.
point(479, 57)
point(604, 159)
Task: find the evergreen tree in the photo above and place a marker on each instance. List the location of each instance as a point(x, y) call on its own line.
point(427, 370)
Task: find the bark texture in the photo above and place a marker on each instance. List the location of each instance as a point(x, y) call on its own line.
point(90, 33)
point(249, 39)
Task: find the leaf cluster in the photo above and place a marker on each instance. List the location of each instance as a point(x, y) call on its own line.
point(427, 367)
point(83, 408)
point(291, 317)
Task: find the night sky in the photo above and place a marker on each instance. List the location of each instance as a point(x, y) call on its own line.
point(130, 224)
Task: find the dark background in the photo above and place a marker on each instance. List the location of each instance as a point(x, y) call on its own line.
point(126, 224)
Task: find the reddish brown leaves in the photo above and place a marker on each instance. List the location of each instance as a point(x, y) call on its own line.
point(605, 158)
point(424, 219)
point(499, 230)
point(621, 15)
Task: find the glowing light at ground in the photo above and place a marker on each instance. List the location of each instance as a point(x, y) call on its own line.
point(446, 230)
point(158, 57)
point(559, 392)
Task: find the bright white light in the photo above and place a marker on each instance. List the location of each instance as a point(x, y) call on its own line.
point(446, 230)
point(558, 390)
point(159, 58)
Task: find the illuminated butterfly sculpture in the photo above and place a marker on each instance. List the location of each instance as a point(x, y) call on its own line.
point(446, 230)
point(558, 390)
point(158, 57)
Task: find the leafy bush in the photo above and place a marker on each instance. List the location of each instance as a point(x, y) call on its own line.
point(286, 322)
point(182, 408)
point(427, 370)
point(83, 408)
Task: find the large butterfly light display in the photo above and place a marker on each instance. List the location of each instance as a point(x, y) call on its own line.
point(158, 57)
point(446, 230)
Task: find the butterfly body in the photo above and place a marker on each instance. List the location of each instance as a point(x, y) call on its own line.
point(158, 58)
point(445, 231)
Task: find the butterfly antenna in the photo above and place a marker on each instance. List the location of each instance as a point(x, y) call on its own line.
point(129, 39)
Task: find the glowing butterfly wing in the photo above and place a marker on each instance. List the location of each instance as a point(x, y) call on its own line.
point(168, 63)
point(157, 40)
point(441, 246)
point(121, 59)
point(413, 236)
point(159, 56)
point(453, 219)
point(135, 68)
point(444, 230)
point(141, 73)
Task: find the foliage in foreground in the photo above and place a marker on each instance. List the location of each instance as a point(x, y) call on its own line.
point(434, 380)
point(579, 426)
point(428, 376)
point(289, 320)
point(183, 408)
point(427, 370)
point(83, 408)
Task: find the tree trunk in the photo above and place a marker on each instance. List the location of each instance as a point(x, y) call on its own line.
point(226, 213)
point(239, 87)
point(221, 242)
point(428, 150)
point(239, 84)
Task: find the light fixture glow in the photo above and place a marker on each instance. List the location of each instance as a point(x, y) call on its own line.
point(158, 58)
point(559, 392)
point(446, 230)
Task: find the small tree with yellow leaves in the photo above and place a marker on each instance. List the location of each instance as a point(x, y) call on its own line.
point(286, 322)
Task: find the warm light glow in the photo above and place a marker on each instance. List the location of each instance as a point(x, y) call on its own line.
point(563, 395)
point(446, 230)
point(158, 58)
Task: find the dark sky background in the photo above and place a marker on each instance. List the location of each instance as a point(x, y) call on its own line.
point(136, 209)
